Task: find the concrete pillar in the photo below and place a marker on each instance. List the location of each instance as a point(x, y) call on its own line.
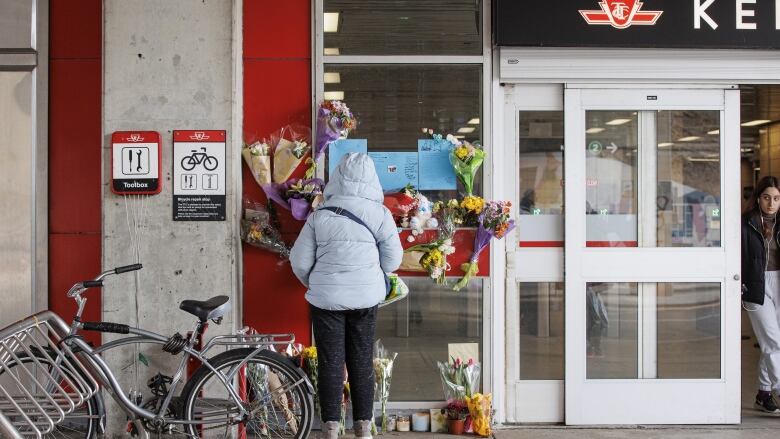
point(168, 65)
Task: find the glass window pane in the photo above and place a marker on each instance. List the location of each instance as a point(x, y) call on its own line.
point(611, 178)
point(541, 331)
point(541, 175)
point(393, 102)
point(611, 330)
point(403, 27)
point(688, 330)
point(421, 328)
point(688, 195)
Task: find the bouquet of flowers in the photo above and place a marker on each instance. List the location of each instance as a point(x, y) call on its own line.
point(466, 158)
point(300, 197)
point(434, 258)
point(258, 157)
point(459, 379)
point(258, 231)
point(383, 374)
point(345, 398)
point(480, 409)
point(457, 409)
point(494, 222)
point(310, 366)
point(334, 121)
point(292, 146)
point(398, 290)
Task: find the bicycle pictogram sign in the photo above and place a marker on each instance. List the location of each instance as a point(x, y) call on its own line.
point(189, 162)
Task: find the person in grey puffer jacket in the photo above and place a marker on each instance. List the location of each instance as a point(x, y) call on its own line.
point(342, 264)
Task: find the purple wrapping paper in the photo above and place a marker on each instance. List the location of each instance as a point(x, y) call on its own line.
point(328, 130)
point(483, 237)
point(299, 207)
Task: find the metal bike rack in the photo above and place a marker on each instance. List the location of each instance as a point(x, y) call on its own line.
point(41, 379)
point(249, 339)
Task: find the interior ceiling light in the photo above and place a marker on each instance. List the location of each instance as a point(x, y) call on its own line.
point(334, 96)
point(753, 123)
point(331, 22)
point(474, 121)
point(332, 77)
point(688, 139)
point(594, 130)
point(614, 122)
point(713, 132)
point(466, 130)
point(459, 137)
point(665, 144)
point(331, 51)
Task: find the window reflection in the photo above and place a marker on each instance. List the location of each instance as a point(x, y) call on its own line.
point(421, 328)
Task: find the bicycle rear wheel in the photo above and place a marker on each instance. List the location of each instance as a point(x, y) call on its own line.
point(278, 398)
point(83, 422)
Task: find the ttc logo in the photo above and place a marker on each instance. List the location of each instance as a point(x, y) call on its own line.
point(621, 14)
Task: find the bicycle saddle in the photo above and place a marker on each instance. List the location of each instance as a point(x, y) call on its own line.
point(210, 309)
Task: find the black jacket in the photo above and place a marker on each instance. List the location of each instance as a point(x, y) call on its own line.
point(754, 258)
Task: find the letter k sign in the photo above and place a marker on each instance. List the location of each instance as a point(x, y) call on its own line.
point(700, 11)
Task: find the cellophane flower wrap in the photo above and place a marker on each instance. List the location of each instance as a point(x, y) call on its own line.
point(345, 399)
point(481, 411)
point(257, 156)
point(311, 367)
point(494, 222)
point(459, 379)
point(300, 197)
point(383, 374)
point(466, 158)
point(291, 146)
point(257, 230)
point(334, 121)
point(434, 258)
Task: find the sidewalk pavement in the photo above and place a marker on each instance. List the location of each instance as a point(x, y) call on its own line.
point(754, 425)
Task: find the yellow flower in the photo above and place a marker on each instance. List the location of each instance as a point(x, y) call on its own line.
point(462, 152)
point(310, 352)
point(452, 203)
point(473, 203)
point(433, 258)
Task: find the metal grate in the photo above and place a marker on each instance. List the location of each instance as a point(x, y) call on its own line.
point(41, 380)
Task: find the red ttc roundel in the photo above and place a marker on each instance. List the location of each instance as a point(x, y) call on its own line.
point(620, 14)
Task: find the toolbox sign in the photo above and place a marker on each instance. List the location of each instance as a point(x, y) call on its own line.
point(135, 162)
point(199, 175)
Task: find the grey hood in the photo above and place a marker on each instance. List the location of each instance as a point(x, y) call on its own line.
point(355, 176)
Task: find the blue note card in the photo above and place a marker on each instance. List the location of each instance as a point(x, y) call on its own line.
point(436, 172)
point(396, 169)
point(338, 149)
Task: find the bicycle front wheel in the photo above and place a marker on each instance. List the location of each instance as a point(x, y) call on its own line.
point(277, 397)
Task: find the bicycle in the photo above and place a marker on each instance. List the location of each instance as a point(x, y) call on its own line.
point(50, 379)
point(188, 162)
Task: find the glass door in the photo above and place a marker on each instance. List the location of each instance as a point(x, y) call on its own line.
point(651, 256)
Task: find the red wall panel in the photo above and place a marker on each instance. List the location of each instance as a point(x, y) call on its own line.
point(277, 92)
point(74, 146)
point(75, 114)
point(277, 29)
point(74, 258)
point(75, 29)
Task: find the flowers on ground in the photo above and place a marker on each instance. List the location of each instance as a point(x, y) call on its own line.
point(481, 411)
point(459, 379)
point(383, 374)
point(310, 366)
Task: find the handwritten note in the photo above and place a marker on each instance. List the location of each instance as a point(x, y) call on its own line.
point(436, 172)
point(396, 169)
point(338, 149)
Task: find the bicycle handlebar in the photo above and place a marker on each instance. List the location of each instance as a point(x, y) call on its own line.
point(126, 268)
point(97, 282)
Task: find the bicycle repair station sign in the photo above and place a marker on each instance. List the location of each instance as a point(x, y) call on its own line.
point(136, 164)
point(199, 175)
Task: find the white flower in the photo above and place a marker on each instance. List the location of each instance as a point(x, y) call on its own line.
point(454, 140)
point(415, 232)
point(448, 242)
point(410, 238)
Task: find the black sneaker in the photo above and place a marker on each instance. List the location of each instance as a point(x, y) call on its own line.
point(766, 404)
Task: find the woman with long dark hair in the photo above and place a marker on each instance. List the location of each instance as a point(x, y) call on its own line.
point(761, 285)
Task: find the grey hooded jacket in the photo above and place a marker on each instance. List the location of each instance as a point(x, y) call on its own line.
point(337, 258)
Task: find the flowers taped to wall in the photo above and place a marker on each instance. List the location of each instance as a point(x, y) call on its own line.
point(257, 230)
point(258, 159)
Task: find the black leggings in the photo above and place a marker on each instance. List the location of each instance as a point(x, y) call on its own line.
point(345, 336)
